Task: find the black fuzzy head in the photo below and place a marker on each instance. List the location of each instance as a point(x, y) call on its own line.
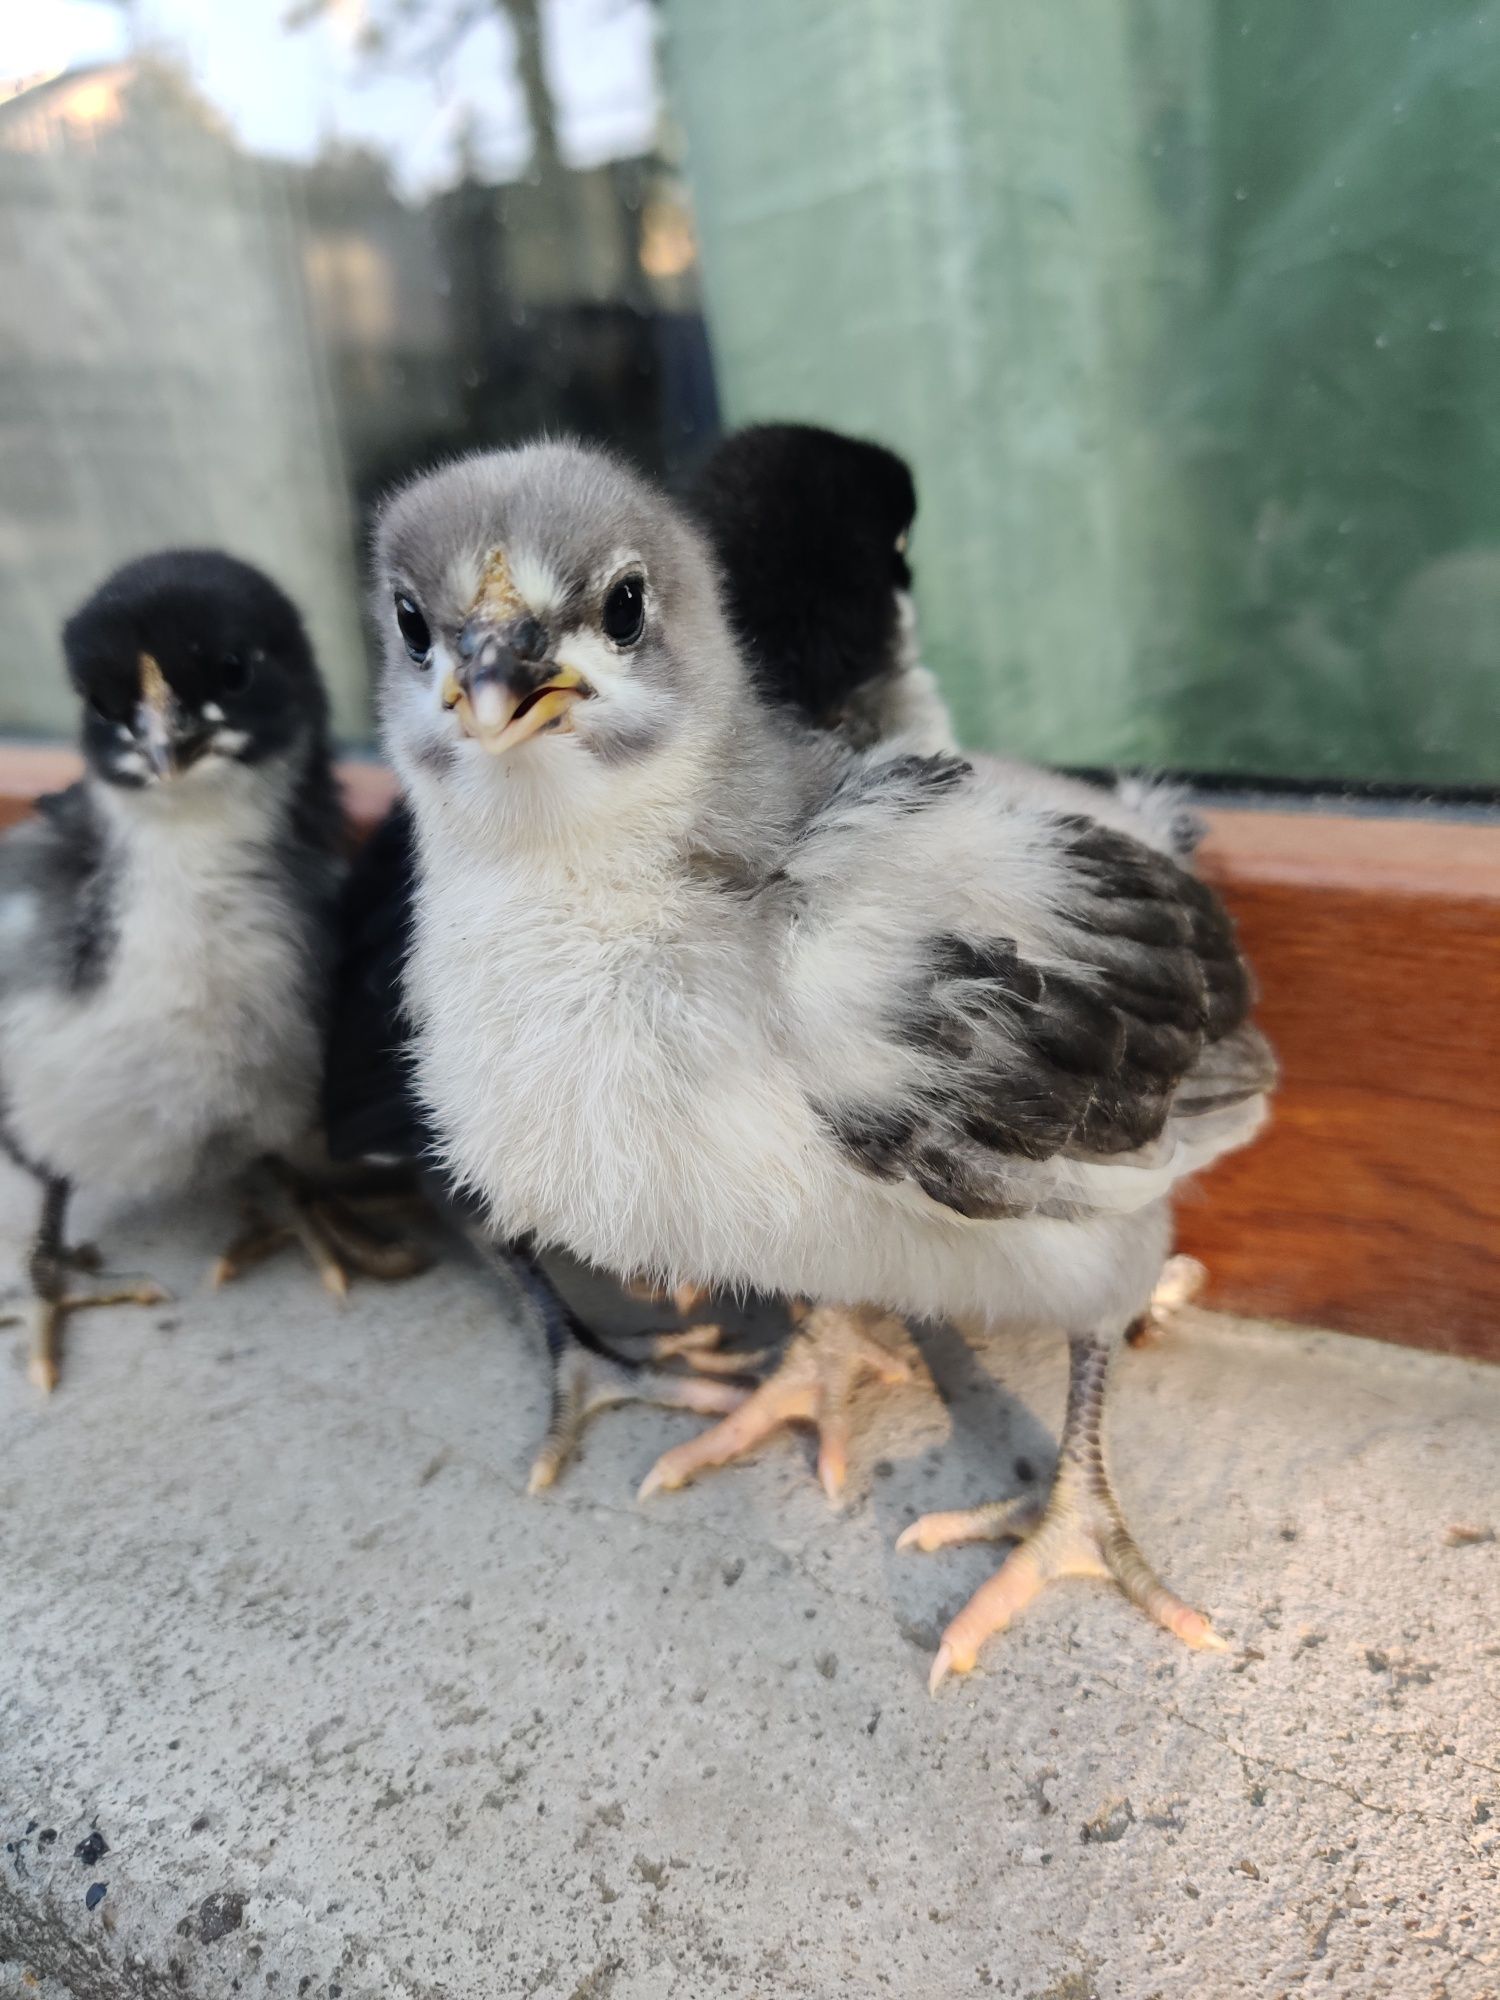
point(190, 658)
point(810, 530)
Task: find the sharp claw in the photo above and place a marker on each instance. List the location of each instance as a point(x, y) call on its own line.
point(940, 1668)
point(542, 1475)
point(1211, 1642)
point(832, 1472)
point(41, 1372)
point(910, 1537)
point(655, 1481)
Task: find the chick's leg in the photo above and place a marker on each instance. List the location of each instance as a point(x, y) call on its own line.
point(588, 1378)
point(1080, 1531)
point(53, 1296)
point(833, 1350)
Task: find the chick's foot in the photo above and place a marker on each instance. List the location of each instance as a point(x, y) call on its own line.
point(586, 1380)
point(55, 1300)
point(834, 1349)
point(1080, 1531)
point(335, 1236)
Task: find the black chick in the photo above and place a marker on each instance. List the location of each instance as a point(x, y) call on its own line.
point(811, 529)
point(166, 922)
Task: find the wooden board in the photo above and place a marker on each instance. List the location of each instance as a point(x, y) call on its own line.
point(1373, 1203)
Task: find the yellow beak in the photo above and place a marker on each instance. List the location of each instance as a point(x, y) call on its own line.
point(498, 716)
point(154, 717)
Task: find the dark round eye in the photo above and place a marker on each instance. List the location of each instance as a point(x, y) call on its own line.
point(413, 628)
point(625, 610)
point(235, 673)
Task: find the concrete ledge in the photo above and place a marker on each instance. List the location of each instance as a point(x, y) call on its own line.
point(357, 1719)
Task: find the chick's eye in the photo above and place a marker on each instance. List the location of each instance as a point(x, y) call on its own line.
point(413, 628)
point(625, 611)
point(236, 674)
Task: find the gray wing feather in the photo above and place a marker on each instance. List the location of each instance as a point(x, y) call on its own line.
point(1108, 1027)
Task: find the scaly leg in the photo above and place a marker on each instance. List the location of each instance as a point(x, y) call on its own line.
point(833, 1349)
point(586, 1378)
point(1080, 1532)
point(48, 1267)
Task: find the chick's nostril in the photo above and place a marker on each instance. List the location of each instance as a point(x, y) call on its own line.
point(528, 639)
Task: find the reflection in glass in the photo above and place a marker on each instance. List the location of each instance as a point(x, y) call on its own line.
point(257, 262)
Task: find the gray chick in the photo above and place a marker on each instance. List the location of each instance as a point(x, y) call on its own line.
point(165, 922)
point(701, 993)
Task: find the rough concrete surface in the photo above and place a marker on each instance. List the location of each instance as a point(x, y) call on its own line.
point(352, 1717)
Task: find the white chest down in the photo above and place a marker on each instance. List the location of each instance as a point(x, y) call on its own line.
point(199, 1048)
point(591, 1084)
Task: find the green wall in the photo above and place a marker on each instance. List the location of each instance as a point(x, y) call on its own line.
point(1188, 318)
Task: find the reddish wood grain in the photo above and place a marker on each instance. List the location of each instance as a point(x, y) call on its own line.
point(368, 790)
point(1373, 1203)
point(29, 768)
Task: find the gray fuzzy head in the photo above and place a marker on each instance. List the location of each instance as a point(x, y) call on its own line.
point(548, 620)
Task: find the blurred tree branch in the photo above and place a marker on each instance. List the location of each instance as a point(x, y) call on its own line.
point(383, 37)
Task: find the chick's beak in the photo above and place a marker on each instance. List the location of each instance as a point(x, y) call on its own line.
point(505, 689)
point(155, 719)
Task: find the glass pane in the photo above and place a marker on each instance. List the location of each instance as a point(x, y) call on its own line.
point(1188, 315)
point(258, 261)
